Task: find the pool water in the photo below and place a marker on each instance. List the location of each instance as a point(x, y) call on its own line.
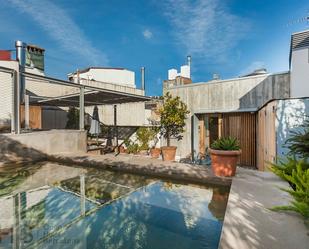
point(50, 205)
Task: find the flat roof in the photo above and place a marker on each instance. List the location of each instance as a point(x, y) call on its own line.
point(217, 111)
point(221, 81)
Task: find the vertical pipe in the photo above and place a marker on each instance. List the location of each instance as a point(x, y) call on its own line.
point(115, 126)
point(82, 109)
point(189, 61)
point(19, 89)
point(21, 58)
point(192, 139)
point(143, 77)
point(13, 118)
point(17, 104)
point(81, 104)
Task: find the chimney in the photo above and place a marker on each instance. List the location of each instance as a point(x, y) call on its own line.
point(143, 77)
point(216, 76)
point(21, 58)
point(189, 61)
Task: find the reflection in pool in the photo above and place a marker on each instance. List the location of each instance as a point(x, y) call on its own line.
point(56, 206)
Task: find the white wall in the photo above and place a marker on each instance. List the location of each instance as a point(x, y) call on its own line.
point(300, 73)
point(109, 75)
point(6, 93)
point(290, 115)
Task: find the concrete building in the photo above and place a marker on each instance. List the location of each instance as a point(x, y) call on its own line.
point(299, 64)
point(181, 78)
point(118, 79)
point(118, 76)
point(113, 80)
point(230, 107)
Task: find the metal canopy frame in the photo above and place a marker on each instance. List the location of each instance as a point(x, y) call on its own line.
point(87, 96)
point(92, 95)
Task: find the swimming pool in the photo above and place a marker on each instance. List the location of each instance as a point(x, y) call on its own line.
point(50, 205)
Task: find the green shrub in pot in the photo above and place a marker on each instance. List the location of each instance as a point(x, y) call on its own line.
point(225, 143)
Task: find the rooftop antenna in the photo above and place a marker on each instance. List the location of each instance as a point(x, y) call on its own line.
point(299, 20)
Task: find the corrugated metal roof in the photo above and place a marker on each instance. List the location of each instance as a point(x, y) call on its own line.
point(299, 40)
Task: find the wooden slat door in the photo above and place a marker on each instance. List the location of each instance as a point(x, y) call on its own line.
point(243, 127)
point(266, 139)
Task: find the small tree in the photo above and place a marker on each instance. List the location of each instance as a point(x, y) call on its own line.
point(173, 115)
point(73, 118)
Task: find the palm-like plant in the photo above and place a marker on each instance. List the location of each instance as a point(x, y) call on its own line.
point(298, 144)
point(225, 143)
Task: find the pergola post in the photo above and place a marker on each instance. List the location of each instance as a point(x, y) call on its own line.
point(27, 118)
point(82, 108)
point(115, 126)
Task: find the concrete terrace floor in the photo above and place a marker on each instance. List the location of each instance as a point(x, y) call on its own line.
point(145, 166)
point(248, 222)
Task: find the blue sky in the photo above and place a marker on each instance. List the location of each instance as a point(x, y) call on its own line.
point(228, 37)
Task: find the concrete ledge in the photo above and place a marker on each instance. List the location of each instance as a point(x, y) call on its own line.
point(145, 166)
point(34, 146)
point(249, 223)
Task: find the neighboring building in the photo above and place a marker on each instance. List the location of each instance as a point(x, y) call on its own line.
point(181, 78)
point(117, 76)
point(299, 64)
point(51, 117)
point(230, 107)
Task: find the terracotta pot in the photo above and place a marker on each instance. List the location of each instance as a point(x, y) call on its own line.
point(122, 149)
point(143, 152)
point(223, 162)
point(168, 153)
point(155, 152)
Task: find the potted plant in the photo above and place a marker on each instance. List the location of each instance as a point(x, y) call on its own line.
point(173, 114)
point(131, 147)
point(154, 151)
point(224, 155)
point(143, 135)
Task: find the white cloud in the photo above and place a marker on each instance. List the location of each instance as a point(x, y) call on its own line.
point(205, 28)
point(251, 67)
point(60, 26)
point(147, 34)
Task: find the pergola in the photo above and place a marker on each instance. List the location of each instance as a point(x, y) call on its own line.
point(87, 96)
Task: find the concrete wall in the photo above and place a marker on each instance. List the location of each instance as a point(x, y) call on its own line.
point(6, 94)
point(35, 145)
point(300, 73)
point(227, 96)
point(290, 115)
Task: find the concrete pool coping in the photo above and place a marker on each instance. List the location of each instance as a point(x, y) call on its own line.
point(249, 223)
point(144, 166)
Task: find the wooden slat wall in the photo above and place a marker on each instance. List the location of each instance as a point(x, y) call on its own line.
point(35, 116)
point(243, 127)
point(266, 139)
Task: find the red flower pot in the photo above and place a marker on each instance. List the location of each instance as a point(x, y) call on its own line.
point(169, 153)
point(155, 152)
point(224, 162)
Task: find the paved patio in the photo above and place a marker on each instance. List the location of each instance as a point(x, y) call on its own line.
point(249, 223)
point(145, 166)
